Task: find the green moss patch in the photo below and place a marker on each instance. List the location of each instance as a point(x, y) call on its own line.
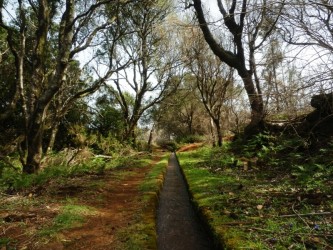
point(71, 215)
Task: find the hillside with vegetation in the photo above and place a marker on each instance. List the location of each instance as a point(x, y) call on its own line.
point(94, 95)
point(279, 197)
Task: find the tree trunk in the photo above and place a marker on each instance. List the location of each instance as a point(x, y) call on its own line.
point(218, 132)
point(54, 131)
point(256, 103)
point(129, 134)
point(34, 144)
point(212, 132)
point(219, 137)
point(150, 139)
point(133, 138)
point(235, 60)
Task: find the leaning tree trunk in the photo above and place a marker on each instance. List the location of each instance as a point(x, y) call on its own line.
point(236, 60)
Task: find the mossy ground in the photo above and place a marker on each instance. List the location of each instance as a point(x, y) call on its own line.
point(279, 202)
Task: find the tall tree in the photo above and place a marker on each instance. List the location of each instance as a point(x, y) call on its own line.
point(76, 26)
point(309, 24)
point(212, 78)
point(107, 119)
point(151, 76)
point(247, 25)
point(273, 60)
point(182, 114)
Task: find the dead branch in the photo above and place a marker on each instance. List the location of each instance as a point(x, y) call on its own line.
point(306, 215)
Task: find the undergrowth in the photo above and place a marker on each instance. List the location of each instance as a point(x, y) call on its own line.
point(271, 193)
point(13, 180)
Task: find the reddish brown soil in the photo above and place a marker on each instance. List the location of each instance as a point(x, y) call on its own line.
point(120, 201)
point(115, 203)
point(190, 147)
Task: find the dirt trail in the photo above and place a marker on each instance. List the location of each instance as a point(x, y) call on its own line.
point(115, 212)
point(178, 227)
point(115, 203)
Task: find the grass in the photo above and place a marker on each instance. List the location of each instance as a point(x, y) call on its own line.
point(141, 233)
point(270, 206)
point(71, 215)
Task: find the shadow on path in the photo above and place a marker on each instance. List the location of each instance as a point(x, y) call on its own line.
point(178, 226)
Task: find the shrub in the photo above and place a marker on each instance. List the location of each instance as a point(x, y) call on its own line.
point(167, 144)
point(191, 139)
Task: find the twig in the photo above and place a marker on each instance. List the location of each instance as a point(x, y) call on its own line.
point(261, 229)
point(306, 215)
point(299, 234)
point(237, 223)
point(103, 156)
point(316, 235)
point(298, 215)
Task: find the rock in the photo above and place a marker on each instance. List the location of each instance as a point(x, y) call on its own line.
point(320, 121)
point(323, 103)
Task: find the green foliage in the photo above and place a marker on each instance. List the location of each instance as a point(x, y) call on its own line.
point(96, 165)
point(5, 241)
point(108, 121)
point(70, 216)
point(243, 207)
point(12, 180)
point(260, 145)
point(3, 165)
point(205, 186)
point(182, 114)
point(142, 145)
point(100, 143)
point(154, 179)
point(7, 81)
point(313, 175)
point(191, 139)
point(72, 123)
point(168, 145)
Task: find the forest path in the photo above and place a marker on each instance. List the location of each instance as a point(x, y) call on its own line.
point(114, 198)
point(178, 226)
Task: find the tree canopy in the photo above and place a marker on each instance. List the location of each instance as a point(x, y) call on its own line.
point(130, 67)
